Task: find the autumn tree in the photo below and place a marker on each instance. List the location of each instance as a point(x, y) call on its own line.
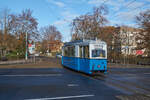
point(5, 29)
point(13, 30)
point(143, 38)
point(0, 43)
point(89, 25)
point(23, 25)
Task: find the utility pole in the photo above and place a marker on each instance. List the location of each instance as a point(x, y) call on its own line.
point(26, 55)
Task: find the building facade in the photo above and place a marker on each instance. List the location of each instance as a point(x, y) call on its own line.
point(55, 46)
point(128, 40)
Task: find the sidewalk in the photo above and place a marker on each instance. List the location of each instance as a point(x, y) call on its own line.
point(16, 62)
point(39, 63)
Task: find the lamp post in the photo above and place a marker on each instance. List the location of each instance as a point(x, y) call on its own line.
point(26, 55)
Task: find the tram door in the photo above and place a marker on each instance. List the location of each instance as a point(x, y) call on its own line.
point(84, 55)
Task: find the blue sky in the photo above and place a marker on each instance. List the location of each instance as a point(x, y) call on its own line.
point(61, 12)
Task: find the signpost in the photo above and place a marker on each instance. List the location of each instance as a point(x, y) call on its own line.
point(126, 47)
point(31, 48)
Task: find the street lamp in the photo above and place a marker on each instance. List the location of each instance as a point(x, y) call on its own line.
point(26, 55)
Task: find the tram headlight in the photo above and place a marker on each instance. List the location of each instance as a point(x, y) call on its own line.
point(98, 66)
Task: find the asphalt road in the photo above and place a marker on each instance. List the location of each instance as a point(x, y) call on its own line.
point(135, 79)
point(62, 83)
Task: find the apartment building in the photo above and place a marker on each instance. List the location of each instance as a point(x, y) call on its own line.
point(55, 46)
point(128, 40)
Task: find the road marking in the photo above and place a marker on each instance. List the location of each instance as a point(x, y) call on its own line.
point(131, 74)
point(148, 95)
point(32, 75)
point(73, 85)
point(146, 73)
point(66, 97)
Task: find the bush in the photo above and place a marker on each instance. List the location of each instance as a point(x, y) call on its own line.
point(12, 56)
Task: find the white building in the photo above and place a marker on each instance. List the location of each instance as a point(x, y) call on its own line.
point(128, 40)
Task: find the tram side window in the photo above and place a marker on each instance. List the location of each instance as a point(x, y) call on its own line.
point(65, 51)
point(84, 51)
point(69, 51)
point(80, 51)
point(72, 51)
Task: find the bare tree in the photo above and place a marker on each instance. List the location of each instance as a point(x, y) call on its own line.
point(89, 25)
point(24, 23)
point(143, 38)
point(50, 34)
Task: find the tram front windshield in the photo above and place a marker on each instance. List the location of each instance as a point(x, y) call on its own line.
point(98, 53)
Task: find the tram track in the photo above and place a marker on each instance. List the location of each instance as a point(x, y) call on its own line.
point(134, 85)
point(125, 85)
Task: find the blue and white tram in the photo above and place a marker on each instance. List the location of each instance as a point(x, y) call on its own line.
point(88, 56)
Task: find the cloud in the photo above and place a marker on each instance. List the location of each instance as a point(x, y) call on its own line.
point(59, 22)
point(129, 11)
point(147, 0)
point(126, 16)
point(58, 3)
point(118, 5)
point(67, 18)
point(63, 24)
point(107, 2)
point(136, 5)
point(95, 2)
point(68, 15)
point(122, 10)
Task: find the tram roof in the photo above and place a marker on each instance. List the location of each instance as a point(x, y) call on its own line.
point(84, 42)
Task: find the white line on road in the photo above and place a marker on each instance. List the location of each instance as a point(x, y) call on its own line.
point(32, 75)
point(73, 85)
point(148, 95)
point(146, 73)
point(130, 74)
point(66, 97)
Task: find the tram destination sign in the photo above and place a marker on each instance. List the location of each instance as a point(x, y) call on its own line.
point(98, 46)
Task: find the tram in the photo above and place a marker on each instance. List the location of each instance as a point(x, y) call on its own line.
point(87, 56)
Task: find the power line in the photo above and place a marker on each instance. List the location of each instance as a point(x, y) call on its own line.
point(132, 9)
point(126, 6)
point(104, 1)
point(130, 3)
point(140, 7)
